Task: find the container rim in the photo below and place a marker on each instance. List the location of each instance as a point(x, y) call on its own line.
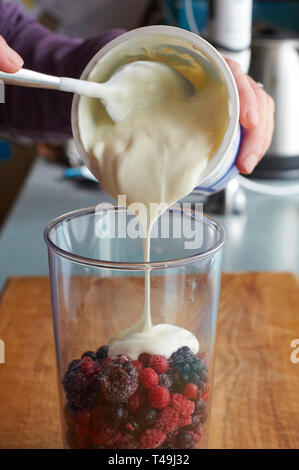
point(137, 266)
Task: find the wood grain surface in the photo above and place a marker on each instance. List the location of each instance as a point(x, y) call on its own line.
point(255, 401)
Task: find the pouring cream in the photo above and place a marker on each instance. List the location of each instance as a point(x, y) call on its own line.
point(154, 154)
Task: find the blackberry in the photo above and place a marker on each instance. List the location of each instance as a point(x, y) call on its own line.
point(91, 354)
point(191, 368)
point(102, 352)
point(81, 390)
point(119, 379)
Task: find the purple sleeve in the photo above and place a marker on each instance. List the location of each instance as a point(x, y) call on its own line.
point(41, 114)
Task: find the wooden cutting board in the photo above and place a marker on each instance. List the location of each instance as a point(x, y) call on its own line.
point(255, 400)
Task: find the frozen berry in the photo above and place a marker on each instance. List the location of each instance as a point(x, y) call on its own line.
point(191, 391)
point(96, 437)
point(138, 365)
point(200, 406)
point(205, 395)
point(184, 406)
point(152, 438)
point(102, 352)
point(149, 378)
point(135, 402)
point(119, 379)
point(144, 358)
point(159, 397)
point(167, 420)
point(165, 380)
point(91, 354)
point(184, 440)
point(159, 364)
point(117, 415)
point(82, 416)
point(81, 389)
point(185, 420)
point(147, 417)
point(88, 366)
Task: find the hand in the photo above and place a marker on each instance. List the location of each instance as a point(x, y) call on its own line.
point(256, 118)
point(10, 61)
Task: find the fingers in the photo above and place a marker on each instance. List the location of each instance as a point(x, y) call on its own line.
point(249, 117)
point(10, 61)
point(256, 142)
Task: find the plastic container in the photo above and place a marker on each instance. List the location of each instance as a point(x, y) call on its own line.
point(97, 289)
point(172, 42)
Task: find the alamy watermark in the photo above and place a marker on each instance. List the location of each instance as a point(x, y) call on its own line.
point(182, 221)
point(2, 352)
point(295, 353)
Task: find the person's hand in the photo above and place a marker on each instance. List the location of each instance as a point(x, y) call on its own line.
point(256, 118)
point(10, 61)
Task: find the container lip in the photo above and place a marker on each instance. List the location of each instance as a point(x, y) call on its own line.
point(210, 52)
point(137, 266)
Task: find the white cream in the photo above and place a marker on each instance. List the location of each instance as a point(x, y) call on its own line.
point(156, 154)
point(162, 339)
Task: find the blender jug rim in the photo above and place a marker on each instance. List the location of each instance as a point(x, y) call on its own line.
point(135, 266)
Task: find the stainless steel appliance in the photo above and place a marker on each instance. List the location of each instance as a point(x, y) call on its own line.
point(275, 63)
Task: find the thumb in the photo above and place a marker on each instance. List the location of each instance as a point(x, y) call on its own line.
point(10, 61)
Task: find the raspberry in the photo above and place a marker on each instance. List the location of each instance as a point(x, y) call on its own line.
point(167, 420)
point(159, 397)
point(119, 379)
point(182, 405)
point(144, 358)
point(185, 420)
point(191, 391)
point(152, 438)
point(159, 364)
point(111, 435)
point(149, 378)
point(138, 365)
point(135, 402)
point(81, 383)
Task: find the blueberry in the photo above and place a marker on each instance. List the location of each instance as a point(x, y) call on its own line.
point(185, 440)
point(102, 352)
point(200, 406)
point(147, 417)
point(90, 354)
point(117, 415)
point(165, 380)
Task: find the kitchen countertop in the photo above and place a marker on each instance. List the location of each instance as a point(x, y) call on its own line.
point(265, 238)
point(255, 399)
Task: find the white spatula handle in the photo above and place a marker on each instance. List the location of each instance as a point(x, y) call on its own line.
point(29, 78)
